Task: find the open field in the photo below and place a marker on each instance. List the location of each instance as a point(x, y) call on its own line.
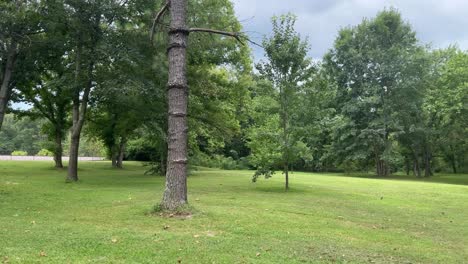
point(322, 219)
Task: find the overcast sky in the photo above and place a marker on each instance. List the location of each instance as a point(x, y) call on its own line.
point(438, 22)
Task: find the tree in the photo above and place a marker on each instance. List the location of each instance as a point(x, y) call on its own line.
point(175, 194)
point(91, 22)
point(446, 106)
point(289, 70)
point(19, 22)
point(373, 66)
point(46, 78)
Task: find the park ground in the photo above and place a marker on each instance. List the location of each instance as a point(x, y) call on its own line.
point(324, 218)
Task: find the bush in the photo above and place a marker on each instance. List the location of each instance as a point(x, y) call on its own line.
point(220, 162)
point(45, 152)
point(19, 153)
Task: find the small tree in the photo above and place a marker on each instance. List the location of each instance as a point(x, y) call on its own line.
point(288, 70)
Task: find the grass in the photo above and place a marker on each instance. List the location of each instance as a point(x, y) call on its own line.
point(324, 218)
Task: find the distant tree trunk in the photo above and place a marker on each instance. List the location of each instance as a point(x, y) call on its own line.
point(454, 164)
point(175, 194)
point(407, 165)
point(416, 167)
point(113, 155)
point(286, 175)
point(58, 149)
point(427, 163)
point(5, 89)
point(453, 160)
point(382, 168)
point(121, 153)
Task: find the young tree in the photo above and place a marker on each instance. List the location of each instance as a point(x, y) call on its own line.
point(289, 70)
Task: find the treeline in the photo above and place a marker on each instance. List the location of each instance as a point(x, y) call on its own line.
point(379, 100)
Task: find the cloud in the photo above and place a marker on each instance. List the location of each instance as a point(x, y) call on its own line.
point(439, 23)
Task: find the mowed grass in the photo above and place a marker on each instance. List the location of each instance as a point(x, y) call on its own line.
point(324, 218)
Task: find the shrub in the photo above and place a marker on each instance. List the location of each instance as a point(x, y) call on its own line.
point(19, 153)
point(45, 152)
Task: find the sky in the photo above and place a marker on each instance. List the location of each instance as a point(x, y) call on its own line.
point(436, 22)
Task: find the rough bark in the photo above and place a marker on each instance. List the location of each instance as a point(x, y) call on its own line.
point(175, 193)
point(5, 88)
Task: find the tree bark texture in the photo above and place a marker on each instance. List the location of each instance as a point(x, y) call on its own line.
point(5, 88)
point(175, 193)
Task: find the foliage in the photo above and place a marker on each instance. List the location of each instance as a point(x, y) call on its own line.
point(44, 152)
point(274, 138)
point(22, 133)
point(377, 69)
point(19, 153)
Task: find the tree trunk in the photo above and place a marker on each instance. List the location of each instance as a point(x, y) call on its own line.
point(5, 87)
point(407, 165)
point(72, 175)
point(416, 167)
point(382, 168)
point(78, 115)
point(114, 159)
point(454, 164)
point(453, 160)
point(286, 175)
point(58, 149)
point(427, 163)
point(175, 194)
point(121, 153)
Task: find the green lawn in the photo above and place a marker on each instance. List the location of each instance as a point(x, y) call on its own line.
point(324, 218)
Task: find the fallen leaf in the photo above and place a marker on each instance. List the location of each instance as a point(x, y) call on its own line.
point(33, 222)
point(165, 227)
point(114, 240)
point(171, 215)
point(258, 254)
point(43, 254)
point(195, 236)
